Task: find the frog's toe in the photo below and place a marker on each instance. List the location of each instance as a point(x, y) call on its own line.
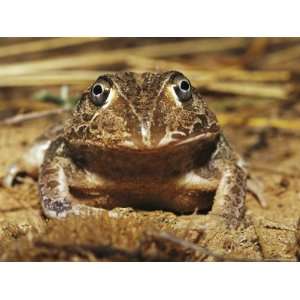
point(11, 175)
point(84, 210)
point(57, 209)
point(256, 188)
point(228, 222)
point(52, 214)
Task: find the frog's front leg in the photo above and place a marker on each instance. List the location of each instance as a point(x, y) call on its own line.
point(229, 201)
point(53, 184)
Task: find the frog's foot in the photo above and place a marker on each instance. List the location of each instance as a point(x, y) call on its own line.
point(256, 188)
point(28, 163)
point(11, 175)
point(18, 170)
point(58, 208)
point(62, 209)
point(224, 221)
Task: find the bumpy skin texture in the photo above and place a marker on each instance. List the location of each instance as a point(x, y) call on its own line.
point(143, 147)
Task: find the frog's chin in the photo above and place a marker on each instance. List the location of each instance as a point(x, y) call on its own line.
point(169, 144)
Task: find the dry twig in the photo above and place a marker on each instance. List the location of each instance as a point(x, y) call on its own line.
point(31, 116)
point(44, 45)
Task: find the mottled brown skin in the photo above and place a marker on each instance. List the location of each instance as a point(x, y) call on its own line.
point(143, 147)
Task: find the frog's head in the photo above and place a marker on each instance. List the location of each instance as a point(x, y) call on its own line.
point(142, 112)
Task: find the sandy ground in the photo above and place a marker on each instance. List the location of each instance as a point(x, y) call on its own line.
point(268, 234)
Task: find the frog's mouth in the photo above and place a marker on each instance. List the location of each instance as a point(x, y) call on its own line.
point(172, 140)
point(162, 160)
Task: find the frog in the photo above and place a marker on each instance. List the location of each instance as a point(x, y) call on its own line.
point(142, 140)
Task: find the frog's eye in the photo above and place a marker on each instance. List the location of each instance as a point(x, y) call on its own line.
point(100, 92)
point(182, 88)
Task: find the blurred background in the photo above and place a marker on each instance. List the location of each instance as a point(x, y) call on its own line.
point(248, 80)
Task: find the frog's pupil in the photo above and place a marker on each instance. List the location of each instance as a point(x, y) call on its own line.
point(184, 85)
point(97, 89)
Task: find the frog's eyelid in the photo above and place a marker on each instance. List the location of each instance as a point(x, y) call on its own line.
point(105, 78)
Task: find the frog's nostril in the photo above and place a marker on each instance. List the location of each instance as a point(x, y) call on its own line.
point(197, 126)
point(203, 121)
